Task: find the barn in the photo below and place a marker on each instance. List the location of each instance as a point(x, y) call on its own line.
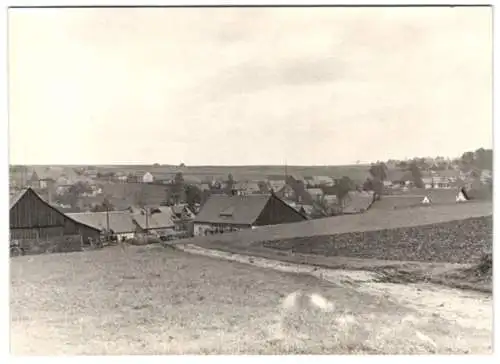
point(231, 213)
point(33, 218)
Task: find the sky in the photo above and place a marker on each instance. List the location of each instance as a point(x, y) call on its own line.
point(226, 86)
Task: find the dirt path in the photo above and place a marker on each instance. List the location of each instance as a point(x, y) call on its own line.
point(154, 300)
point(471, 311)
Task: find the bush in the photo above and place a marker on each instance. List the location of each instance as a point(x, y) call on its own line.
point(486, 263)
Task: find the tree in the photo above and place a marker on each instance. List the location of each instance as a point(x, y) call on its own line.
point(193, 196)
point(343, 186)
point(484, 159)
point(379, 171)
point(374, 185)
point(106, 205)
point(368, 185)
point(229, 184)
point(178, 188)
point(402, 164)
point(72, 195)
point(416, 174)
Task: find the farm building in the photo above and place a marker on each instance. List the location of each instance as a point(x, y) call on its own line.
point(229, 213)
point(120, 222)
point(147, 178)
point(154, 220)
point(33, 218)
point(182, 217)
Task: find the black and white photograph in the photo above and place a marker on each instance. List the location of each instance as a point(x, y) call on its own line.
point(250, 180)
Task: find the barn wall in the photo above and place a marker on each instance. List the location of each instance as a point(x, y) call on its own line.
point(277, 212)
point(30, 212)
point(32, 218)
point(37, 233)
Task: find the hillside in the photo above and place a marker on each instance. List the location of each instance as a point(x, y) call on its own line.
point(369, 221)
point(155, 301)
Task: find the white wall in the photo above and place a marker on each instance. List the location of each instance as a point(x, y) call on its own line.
point(199, 229)
point(147, 178)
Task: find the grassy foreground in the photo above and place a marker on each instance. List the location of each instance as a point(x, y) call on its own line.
point(153, 300)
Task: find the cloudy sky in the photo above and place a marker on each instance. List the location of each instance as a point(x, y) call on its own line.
point(248, 86)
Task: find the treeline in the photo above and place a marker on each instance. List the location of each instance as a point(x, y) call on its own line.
point(480, 159)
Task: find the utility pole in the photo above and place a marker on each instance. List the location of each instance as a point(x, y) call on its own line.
point(106, 205)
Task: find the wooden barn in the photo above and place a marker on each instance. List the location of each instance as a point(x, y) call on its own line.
point(33, 218)
point(231, 213)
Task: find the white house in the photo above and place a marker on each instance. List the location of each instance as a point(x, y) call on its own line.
point(147, 178)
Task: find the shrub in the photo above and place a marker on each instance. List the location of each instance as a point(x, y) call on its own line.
point(486, 263)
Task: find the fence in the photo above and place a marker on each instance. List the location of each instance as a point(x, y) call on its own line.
point(59, 244)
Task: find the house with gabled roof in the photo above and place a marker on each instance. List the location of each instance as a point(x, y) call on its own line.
point(222, 213)
point(119, 223)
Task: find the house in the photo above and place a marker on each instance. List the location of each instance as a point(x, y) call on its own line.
point(358, 202)
point(229, 213)
point(47, 183)
point(31, 217)
point(183, 218)
point(286, 192)
point(276, 185)
point(316, 193)
point(246, 187)
point(34, 181)
point(400, 178)
point(119, 223)
point(323, 181)
point(157, 220)
point(147, 178)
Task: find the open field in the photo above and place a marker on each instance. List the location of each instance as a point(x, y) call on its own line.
point(153, 300)
point(438, 244)
point(369, 221)
point(356, 172)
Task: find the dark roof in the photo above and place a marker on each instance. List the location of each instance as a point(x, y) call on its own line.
point(237, 210)
point(399, 175)
point(358, 202)
point(34, 176)
point(119, 221)
point(158, 220)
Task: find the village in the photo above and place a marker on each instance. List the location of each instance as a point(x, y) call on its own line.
point(254, 180)
point(115, 206)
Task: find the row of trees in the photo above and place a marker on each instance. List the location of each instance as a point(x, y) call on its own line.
point(480, 159)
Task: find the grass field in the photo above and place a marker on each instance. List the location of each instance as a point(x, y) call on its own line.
point(253, 173)
point(153, 300)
